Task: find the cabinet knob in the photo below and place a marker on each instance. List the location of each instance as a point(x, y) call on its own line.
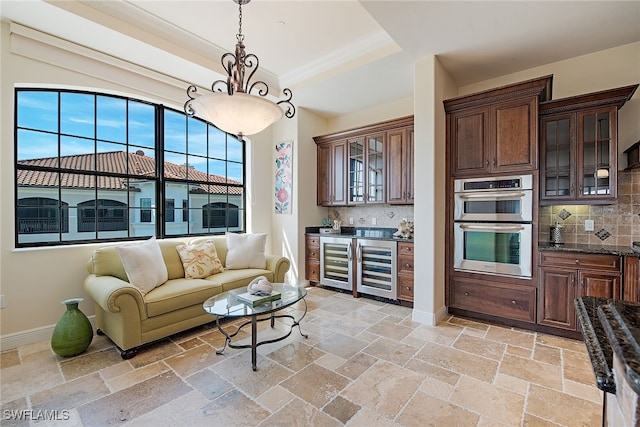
point(513, 302)
point(408, 288)
point(577, 261)
point(408, 265)
point(466, 294)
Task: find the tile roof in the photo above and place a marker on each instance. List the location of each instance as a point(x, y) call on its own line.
point(117, 162)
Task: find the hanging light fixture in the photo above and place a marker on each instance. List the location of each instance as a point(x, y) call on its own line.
point(231, 106)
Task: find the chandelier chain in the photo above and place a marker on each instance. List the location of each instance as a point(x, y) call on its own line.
point(240, 36)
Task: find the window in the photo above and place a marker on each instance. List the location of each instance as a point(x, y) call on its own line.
point(145, 209)
point(91, 167)
point(42, 215)
point(105, 215)
point(220, 215)
point(170, 210)
point(185, 211)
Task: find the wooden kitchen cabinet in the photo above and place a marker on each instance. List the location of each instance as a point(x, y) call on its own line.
point(579, 148)
point(400, 166)
point(565, 276)
point(493, 298)
point(312, 259)
point(405, 272)
point(353, 165)
point(332, 170)
point(495, 131)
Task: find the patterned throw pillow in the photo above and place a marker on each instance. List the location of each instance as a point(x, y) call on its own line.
point(200, 260)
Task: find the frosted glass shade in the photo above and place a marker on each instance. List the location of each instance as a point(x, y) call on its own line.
point(238, 113)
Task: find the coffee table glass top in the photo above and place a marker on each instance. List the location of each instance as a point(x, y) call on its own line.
point(227, 305)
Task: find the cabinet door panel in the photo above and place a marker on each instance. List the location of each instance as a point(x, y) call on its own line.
point(555, 302)
point(325, 181)
point(515, 135)
point(396, 185)
point(375, 169)
point(597, 160)
point(602, 285)
point(338, 172)
point(470, 139)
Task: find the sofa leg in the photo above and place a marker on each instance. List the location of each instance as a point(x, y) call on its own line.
point(99, 332)
point(128, 354)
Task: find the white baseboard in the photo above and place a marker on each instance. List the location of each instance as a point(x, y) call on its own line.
point(30, 336)
point(427, 318)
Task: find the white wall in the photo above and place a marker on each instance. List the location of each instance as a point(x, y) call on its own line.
point(33, 281)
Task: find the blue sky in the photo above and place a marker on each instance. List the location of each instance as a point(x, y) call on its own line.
point(86, 120)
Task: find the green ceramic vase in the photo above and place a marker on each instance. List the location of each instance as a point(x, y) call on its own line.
point(73, 332)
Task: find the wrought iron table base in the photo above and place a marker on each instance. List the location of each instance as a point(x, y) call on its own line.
point(254, 333)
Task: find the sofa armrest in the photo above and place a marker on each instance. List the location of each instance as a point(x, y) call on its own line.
point(106, 290)
point(279, 265)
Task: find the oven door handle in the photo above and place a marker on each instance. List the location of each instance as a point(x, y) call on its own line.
point(512, 227)
point(493, 195)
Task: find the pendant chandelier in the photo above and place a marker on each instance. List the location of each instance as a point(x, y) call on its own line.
point(239, 106)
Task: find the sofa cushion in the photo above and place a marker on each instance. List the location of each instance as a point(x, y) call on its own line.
point(144, 264)
point(233, 279)
point(200, 259)
point(176, 294)
point(246, 251)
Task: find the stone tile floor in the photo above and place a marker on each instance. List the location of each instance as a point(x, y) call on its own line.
point(365, 363)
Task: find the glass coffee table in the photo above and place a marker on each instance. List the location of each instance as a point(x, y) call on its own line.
point(227, 305)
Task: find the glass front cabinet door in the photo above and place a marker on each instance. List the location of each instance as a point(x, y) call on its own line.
point(579, 147)
point(366, 169)
point(597, 165)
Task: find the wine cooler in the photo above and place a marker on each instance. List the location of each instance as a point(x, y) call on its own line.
point(336, 262)
point(376, 268)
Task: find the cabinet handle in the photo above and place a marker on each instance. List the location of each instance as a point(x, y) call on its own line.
point(487, 162)
point(494, 163)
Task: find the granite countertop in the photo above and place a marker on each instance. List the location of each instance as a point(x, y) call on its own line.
point(375, 233)
point(588, 249)
point(610, 326)
point(621, 321)
point(596, 341)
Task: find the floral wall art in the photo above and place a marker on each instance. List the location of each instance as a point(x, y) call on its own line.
point(284, 159)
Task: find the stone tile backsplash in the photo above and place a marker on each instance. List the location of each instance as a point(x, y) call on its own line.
point(363, 216)
point(614, 225)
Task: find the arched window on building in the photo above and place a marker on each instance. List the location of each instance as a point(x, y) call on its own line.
point(220, 215)
point(109, 215)
point(42, 215)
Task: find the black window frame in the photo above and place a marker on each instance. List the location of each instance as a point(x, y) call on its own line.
point(159, 178)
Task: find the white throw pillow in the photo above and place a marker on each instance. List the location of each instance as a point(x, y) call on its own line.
point(246, 251)
point(144, 264)
point(200, 259)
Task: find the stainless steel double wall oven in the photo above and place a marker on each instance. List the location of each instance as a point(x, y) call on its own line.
point(493, 225)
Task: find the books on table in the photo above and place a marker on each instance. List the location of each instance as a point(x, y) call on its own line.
point(255, 300)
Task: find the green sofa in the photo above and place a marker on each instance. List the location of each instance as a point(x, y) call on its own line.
point(131, 319)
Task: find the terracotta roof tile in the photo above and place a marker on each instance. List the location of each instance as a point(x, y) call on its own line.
point(115, 162)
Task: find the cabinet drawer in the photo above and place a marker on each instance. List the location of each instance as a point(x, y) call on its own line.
point(495, 299)
point(405, 248)
point(580, 260)
point(312, 270)
point(312, 253)
point(405, 287)
point(313, 241)
point(405, 264)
